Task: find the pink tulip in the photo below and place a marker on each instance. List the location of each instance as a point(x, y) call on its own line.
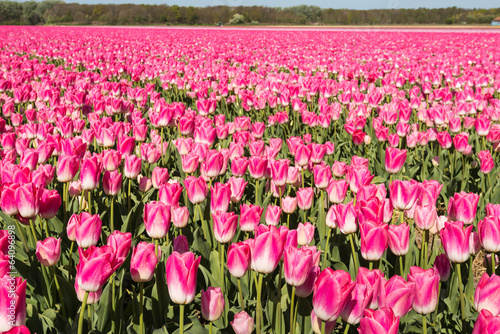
point(170, 193)
point(67, 167)
point(144, 183)
point(382, 321)
point(120, 243)
point(266, 250)
point(196, 188)
point(399, 239)
point(486, 161)
point(249, 217)
point(48, 251)
point(225, 224)
point(397, 294)
point(257, 166)
point(357, 177)
point(220, 197)
point(87, 229)
point(159, 176)
point(394, 160)
point(339, 168)
point(463, 207)
point(322, 176)
point(8, 199)
point(242, 323)
point(486, 295)
point(346, 218)
point(213, 163)
point(132, 166)
point(297, 265)
point(426, 289)
point(442, 267)
point(302, 155)
point(374, 240)
point(273, 214)
point(486, 323)
point(373, 278)
point(95, 267)
point(305, 289)
point(28, 200)
point(156, 219)
point(356, 303)
point(492, 209)
point(111, 160)
point(425, 216)
point(289, 204)
point(182, 270)
point(316, 324)
point(189, 163)
point(460, 141)
point(12, 302)
point(237, 188)
point(305, 233)
point(212, 303)
point(331, 218)
point(143, 262)
point(429, 192)
point(50, 201)
point(238, 259)
point(111, 182)
point(239, 166)
point(337, 191)
point(456, 241)
point(279, 169)
point(489, 233)
point(75, 188)
point(305, 198)
point(180, 216)
point(331, 290)
point(404, 194)
point(90, 173)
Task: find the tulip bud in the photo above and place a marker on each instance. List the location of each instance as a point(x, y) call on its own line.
point(212, 303)
point(48, 251)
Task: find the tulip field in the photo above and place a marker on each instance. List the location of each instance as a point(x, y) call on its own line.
point(170, 181)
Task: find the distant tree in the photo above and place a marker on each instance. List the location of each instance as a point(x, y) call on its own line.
point(237, 19)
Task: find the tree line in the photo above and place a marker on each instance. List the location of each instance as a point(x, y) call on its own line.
point(52, 12)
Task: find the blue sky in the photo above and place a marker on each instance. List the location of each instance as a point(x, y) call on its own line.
point(352, 4)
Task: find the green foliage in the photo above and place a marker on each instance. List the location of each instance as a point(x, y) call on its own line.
point(59, 12)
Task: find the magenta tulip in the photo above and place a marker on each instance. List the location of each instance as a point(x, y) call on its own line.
point(212, 303)
point(425, 216)
point(486, 295)
point(463, 207)
point(87, 229)
point(442, 267)
point(237, 185)
point(305, 233)
point(170, 193)
point(220, 197)
point(242, 323)
point(12, 302)
point(90, 173)
point(394, 160)
point(374, 240)
point(397, 294)
point(50, 201)
point(382, 321)
point(337, 191)
point(67, 167)
point(159, 176)
point(399, 239)
point(225, 224)
point(305, 198)
point(266, 250)
point(132, 166)
point(111, 182)
point(95, 267)
point(143, 262)
point(28, 200)
point(180, 216)
point(456, 241)
point(182, 270)
point(426, 289)
point(373, 278)
point(331, 290)
point(346, 218)
point(250, 217)
point(48, 251)
point(404, 194)
point(356, 303)
point(156, 219)
point(297, 265)
point(273, 214)
point(317, 323)
point(8, 199)
point(196, 188)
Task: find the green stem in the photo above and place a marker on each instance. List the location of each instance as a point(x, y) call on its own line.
point(128, 194)
point(141, 309)
point(181, 319)
point(70, 260)
point(354, 257)
point(257, 198)
point(210, 330)
point(221, 250)
point(111, 225)
point(401, 268)
point(292, 305)
point(89, 203)
point(156, 248)
point(326, 248)
point(323, 327)
point(240, 294)
point(259, 303)
point(113, 301)
point(370, 265)
point(59, 292)
point(82, 312)
point(47, 285)
point(461, 291)
point(492, 263)
point(346, 330)
point(203, 225)
point(422, 250)
point(424, 323)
